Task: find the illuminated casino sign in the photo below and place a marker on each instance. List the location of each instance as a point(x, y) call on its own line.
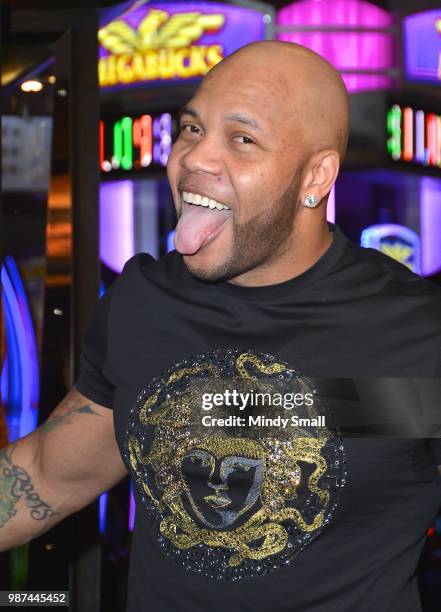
point(414, 136)
point(422, 46)
point(396, 241)
point(173, 41)
point(136, 143)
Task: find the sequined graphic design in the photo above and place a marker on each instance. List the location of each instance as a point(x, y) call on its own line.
point(232, 501)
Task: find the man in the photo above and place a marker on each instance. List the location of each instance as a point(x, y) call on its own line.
point(261, 294)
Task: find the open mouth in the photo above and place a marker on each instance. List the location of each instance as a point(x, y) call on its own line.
point(200, 221)
point(199, 200)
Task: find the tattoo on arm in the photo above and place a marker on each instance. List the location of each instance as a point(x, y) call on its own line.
point(59, 419)
point(16, 484)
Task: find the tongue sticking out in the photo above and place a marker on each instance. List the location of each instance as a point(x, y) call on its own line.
point(195, 225)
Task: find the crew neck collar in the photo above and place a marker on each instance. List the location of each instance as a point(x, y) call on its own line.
point(312, 274)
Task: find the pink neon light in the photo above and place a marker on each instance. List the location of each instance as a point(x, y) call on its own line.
point(434, 139)
point(101, 145)
point(345, 50)
point(116, 224)
point(408, 134)
point(142, 139)
point(330, 209)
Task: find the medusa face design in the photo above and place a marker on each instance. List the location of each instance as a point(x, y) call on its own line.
point(231, 501)
point(220, 487)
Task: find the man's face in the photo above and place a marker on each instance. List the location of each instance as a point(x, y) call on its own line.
point(238, 148)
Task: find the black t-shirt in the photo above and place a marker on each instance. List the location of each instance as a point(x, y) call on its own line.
point(263, 518)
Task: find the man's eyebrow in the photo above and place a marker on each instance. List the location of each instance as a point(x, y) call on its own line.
point(189, 110)
point(239, 117)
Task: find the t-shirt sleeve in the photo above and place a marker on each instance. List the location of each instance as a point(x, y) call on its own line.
point(92, 381)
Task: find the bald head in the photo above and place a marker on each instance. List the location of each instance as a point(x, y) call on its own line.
point(303, 85)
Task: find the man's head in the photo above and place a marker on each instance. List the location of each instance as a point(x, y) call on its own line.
point(266, 127)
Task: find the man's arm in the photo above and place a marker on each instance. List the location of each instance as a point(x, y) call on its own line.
point(58, 469)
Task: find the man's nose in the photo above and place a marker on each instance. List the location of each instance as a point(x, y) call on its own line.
point(203, 157)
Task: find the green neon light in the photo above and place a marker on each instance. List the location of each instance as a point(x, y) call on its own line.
point(394, 141)
point(117, 145)
point(127, 144)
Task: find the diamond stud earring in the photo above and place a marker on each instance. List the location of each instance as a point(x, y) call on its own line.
point(310, 201)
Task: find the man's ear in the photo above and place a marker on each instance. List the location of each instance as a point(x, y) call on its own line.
point(321, 174)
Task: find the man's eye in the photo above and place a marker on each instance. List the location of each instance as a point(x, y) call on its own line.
point(190, 128)
point(244, 139)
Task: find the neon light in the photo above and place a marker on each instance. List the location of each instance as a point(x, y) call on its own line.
point(122, 144)
point(117, 145)
point(4, 387)
point(420, 153)
point(396, 241)
point(162, 131)
point(171, 241)
point(422, 46)
point(330, 209)
point(172, 41)
point(127, 158)
point(393, 122)
point(23, 370)
point(433, 139)
point(142, 140)
point(408, 134)
point(132, 509)
point(430, 223)
point(137, 142)
point(102, 511)
point(422, 136)
point(116, 223)
point(101, 145)
point(349, 51)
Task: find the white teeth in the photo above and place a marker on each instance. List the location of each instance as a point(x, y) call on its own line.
point(198, 200)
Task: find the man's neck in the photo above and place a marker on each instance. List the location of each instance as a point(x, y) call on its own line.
point(303, 251)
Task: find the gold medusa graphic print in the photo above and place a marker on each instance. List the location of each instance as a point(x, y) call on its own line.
point(238, 486)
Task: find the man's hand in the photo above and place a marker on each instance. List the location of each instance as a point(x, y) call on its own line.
point(59, 468)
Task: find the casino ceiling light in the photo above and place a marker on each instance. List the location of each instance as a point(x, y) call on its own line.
point(31, 86)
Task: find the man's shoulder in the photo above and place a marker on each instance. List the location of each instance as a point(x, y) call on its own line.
point(394, 274)
point(145, 265)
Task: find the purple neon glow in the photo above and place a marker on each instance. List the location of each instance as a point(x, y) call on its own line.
point(4, 382)
point(430, 220)
point(116, 224)
point(102, 511)
point(347, 51)
point(330, 208)
point(422, 46)
point(132, 509)
point(24, 418)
